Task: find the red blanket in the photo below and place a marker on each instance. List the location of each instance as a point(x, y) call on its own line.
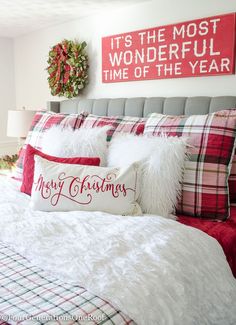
point(224, 232)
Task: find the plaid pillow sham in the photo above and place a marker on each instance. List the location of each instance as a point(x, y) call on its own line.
point(232, 181)
point(232, 176)
point(125, 124)
point(41, 122)
point(205, 191)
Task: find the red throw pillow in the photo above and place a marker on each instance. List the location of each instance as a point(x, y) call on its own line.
point(28, 172)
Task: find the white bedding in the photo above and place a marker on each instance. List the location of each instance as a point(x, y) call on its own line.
point(155, 270)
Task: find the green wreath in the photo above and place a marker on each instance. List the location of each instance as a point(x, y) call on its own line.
point(67, 68)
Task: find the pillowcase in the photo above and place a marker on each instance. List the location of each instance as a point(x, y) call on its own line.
point(205, 191)
point(162, 162)
point(41, 122)
point(118, 124)
point(64, 187)
point(28, 172)
point(232, 181)
point(66, 142)
point(232, 176)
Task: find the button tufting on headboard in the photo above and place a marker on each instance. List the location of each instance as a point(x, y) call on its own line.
point(141, 106)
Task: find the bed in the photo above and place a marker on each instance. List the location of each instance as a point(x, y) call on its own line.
point(225, 232)
point(105, 287)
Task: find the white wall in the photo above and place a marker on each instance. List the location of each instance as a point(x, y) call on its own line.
point(31, 52)
point(7, 93)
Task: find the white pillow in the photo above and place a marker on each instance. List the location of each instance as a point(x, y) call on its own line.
point(162, 168)
point(66, 142)
point(65, 187)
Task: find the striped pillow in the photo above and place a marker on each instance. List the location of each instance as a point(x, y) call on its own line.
point(41, 122)
point(205, 191)
point(126, 124)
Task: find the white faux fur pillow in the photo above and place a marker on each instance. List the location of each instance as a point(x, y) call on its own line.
point(66, 142)
point(162, 167)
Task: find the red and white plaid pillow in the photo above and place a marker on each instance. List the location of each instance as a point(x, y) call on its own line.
point(41, 122)
point(205, 190)
point(125, 124)
point(232, 181)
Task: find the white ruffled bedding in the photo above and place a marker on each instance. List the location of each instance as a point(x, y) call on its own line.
point(155, 270)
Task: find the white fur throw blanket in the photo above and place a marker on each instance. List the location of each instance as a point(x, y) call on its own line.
point(155, 270)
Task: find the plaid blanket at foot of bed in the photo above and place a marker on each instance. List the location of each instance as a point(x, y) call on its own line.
point(29, 296)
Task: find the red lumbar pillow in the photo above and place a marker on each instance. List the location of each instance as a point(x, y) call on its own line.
point(28, 172)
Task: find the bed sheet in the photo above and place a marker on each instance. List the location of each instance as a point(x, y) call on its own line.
point(31, 296)
point(223, 232)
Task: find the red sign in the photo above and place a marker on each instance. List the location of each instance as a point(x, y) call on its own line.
point(201, 47)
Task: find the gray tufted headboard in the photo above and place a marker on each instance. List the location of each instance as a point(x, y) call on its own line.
point(141, 106)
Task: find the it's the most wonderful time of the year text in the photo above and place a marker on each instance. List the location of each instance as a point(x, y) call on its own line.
point(195, 48)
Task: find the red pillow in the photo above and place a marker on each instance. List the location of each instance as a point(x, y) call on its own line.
point(28, 172)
